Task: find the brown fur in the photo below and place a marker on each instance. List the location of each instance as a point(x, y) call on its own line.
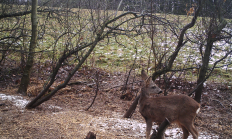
point(180, 109)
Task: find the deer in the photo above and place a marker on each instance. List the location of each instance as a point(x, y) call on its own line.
point(180, 109)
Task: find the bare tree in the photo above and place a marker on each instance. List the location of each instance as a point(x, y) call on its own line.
point(102, 24)
point(30, 58)
point(17, 37)
point(214, 34)
point(180, 44)
point(10, 18)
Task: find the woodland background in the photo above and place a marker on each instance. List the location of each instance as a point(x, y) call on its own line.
point(90, 53)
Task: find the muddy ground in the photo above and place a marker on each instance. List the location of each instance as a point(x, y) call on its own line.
point(65, 115)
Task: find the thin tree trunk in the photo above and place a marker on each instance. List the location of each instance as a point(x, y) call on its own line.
point(215, 30)
point(26, 74)
point(203, 70)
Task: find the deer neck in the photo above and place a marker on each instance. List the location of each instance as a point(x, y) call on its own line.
point(143, 95)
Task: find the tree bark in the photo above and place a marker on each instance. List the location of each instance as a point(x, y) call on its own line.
point(132, 108)
point(204, 68)
point(25, 80)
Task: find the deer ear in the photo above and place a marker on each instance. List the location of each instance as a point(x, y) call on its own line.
point(148, 81)
point(144, 75)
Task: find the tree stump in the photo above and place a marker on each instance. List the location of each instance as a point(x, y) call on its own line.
point(90, 135)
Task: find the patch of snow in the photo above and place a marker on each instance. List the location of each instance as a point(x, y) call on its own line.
point(56, 113)
point(134, 128)
point(128, 127)
point(17, 100)
point(54, 107)
point(204, 84)
point(20, 102)
point(139, 50)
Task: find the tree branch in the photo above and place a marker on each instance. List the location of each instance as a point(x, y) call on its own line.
point(210, 72)
point(96, 91)
point(179, 45)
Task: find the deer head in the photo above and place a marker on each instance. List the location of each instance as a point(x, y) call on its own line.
point(149, 85)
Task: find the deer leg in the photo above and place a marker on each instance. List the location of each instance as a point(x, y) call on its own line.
point(187, 122)
point(192, 131)
point(190, 127)
point(195, 132)
point(148, 129)
point(185, 132)
point(194, 128)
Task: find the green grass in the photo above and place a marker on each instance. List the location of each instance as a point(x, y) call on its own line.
point(109, 54)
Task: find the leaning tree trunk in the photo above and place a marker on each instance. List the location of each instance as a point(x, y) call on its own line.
point(132, 108)
point(39, 99)
point(26, 74)
point(161, 130)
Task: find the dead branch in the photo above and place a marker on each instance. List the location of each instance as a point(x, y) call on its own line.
point(77, 83)
point(96, 90)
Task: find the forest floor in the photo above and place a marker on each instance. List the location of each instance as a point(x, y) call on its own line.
point(65, 115)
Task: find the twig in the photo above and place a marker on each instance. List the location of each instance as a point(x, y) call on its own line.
point(96, 91)
point(77, 83)
point(124, 89)
point(125, 85)
point(118, 8)
point(218, 102)
point(132, 108)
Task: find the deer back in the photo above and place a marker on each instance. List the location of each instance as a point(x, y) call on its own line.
point(172, 107)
